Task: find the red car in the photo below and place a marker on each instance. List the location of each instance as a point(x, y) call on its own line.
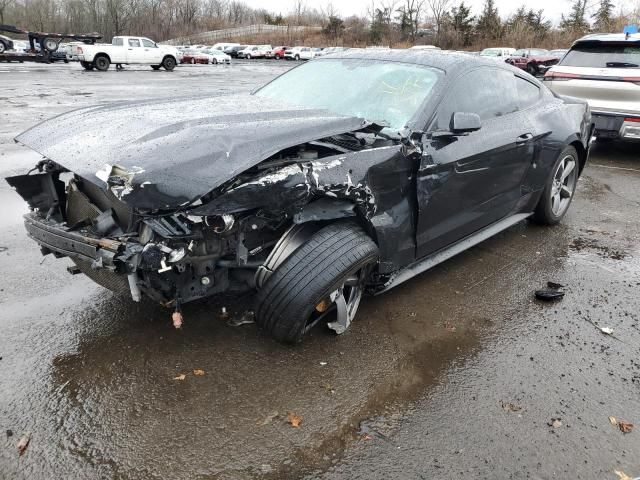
point(194, 56)
point(535, 61)
point(277, 53)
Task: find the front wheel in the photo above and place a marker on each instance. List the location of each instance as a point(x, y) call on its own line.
point(214, 61)
point(532, 69)
point(169, 63)
point(321, 282)
point(559, 188)
point(297, 57)
point(248, 57)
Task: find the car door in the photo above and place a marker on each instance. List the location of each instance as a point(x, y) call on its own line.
point(467, 182)
point(152, 54)
point(135, 53)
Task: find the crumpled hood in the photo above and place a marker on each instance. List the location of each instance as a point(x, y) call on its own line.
point(178, 150)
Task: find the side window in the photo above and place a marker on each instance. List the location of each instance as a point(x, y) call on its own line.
point(528, 93)
point(148, 43)
point(488, 92)
point(134, 42)
point(117, 42)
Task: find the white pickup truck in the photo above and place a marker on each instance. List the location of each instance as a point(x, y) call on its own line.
point(125, 50)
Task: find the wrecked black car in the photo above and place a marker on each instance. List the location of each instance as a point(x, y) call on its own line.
point(348, 174)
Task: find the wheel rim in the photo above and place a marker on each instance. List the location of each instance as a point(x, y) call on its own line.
point(343, 301)
point(563, 186)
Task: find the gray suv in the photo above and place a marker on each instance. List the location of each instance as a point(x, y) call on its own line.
point(604, 70)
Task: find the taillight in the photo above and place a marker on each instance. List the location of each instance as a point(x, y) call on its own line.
point(79, 49)
point(632, 119)
point(550, 75)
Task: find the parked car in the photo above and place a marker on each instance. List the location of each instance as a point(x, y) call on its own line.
point(604, 70)
point(558, 52)
point(234, 51)
point(194, 56)
point(6, 43)
point(300, 53)
point(254, 51)
point(498, 54)
point(535, 61)
point(277, 52)
point(224, 46)
point(126, 50)
point(293, 53)
point(217, 56)
point(422, 157)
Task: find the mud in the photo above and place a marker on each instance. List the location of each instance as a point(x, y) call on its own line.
point(455, 373)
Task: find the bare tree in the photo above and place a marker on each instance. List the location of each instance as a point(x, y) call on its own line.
point(439, 9)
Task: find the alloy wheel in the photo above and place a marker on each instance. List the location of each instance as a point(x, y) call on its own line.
point(563, 186)
point(341, 304)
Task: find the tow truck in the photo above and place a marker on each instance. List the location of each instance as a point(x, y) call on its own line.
point(48, 43)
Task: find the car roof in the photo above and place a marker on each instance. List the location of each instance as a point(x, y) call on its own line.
point(608, 37)
point(447, 61)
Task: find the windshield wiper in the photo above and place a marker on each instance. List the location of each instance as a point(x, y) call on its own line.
point(621, 65)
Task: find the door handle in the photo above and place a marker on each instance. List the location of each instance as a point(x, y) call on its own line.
point(524, 138)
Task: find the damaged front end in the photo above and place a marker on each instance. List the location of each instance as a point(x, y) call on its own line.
point(213, 244)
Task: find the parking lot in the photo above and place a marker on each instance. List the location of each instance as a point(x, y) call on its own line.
point(459, 372)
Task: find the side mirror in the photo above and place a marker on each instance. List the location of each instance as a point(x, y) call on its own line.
point(463, 122)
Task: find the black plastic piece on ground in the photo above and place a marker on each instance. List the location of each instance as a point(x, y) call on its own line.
point(549, 295)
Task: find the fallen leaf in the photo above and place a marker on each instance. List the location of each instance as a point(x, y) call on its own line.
point(625, 427)
point(613, 421)
point(622, 475)
point(555, 423)
point(198, 372)
point(182, 376)
point(606, 330)
point(176, 317)
point(23, 443)
point(294, 420)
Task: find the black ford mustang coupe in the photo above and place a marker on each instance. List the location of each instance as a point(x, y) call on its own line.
point(348, 174)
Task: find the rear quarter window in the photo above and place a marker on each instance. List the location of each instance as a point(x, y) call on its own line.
point(528, 93)
point(603, 55)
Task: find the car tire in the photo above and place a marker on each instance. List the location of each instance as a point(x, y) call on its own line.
point(214, 61)
point(169, 63)
point(297, 57)
point(559, 188)
point(87, 66)
point(102, 63)
point(2, 47)
point(248, 57)
point(532, 69)
point(287, 305)
point(155, 67)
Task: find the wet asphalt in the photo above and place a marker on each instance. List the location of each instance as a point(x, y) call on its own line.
point(458, 373)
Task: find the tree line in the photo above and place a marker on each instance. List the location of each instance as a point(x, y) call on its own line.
point(394, 23)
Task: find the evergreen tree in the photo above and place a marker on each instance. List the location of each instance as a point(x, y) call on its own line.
point(576, 21)
point(489, 24)
point(461, 21)
point(603, 17)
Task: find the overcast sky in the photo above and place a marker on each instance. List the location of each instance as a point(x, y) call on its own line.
point(553, 9)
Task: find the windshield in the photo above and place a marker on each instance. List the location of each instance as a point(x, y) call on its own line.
point(603, 56)
point(387, 93)
point(490, 52)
